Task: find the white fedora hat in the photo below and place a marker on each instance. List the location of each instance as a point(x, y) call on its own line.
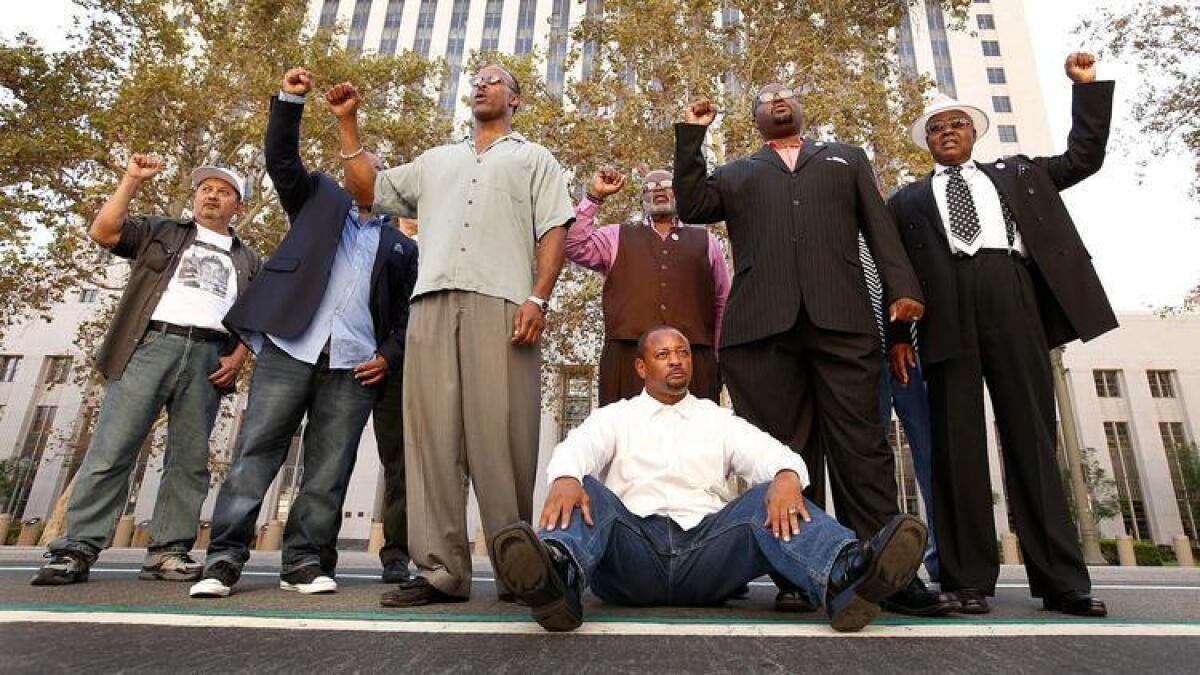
point(941, 103)
point(205, 172)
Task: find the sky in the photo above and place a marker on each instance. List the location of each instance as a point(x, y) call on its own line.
point(1140, 225)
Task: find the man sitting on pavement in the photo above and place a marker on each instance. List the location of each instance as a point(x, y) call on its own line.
point(661, 528)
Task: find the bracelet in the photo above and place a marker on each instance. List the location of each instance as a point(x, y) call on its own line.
point(352, 155)
point(595, 200)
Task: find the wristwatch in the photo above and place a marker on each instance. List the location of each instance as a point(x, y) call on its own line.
point(543, 305)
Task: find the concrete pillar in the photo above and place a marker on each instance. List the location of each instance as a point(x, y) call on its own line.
point(203, 536)
point(1125, 551)
point(480, 541)
point(1183, 551)
point(141, 535)
point(5, 523)
point(1011, 550)
point(271, 536)
point(375, 543)
point(30, 531)
point(124, 534)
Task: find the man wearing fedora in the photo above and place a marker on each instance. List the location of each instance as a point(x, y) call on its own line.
point(1006, 278)
point(165, 348)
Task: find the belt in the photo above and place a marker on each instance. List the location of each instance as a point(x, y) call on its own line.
point(190, 332)
point(989, 251)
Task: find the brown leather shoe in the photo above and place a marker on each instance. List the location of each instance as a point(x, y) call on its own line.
point(417, 592)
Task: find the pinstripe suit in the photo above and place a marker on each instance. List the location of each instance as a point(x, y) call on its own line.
point(800, 350)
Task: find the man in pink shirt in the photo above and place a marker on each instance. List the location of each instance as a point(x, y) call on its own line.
point(658, 271)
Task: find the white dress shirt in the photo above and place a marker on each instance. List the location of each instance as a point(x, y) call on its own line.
point(671, 460)
point(987, 204)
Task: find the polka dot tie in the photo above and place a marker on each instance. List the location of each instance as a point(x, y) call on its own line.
point(964, 219)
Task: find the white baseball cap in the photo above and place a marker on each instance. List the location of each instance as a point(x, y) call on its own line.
point(204, 172)
point(941, 103)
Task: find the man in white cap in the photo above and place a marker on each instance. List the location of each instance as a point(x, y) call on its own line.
point(166, 347)
point(1006, 278)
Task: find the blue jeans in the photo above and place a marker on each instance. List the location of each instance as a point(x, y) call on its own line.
point(911, 403)
point(282, 391)
point(168, 371)
point(630, 560)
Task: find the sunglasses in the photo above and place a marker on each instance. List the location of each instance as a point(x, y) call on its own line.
point(656, 185)
point(957, 124)
point(489, 80)
point(772, 96)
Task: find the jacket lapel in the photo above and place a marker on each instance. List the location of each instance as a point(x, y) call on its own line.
point(808, 151)
point(928, 205)
point(767, 154)
point(385, 246)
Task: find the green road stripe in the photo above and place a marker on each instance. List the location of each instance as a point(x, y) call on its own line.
point(516, 618)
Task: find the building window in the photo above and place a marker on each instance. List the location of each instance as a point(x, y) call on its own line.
point(454, 53)
point(1183, 461)
point(358, 26)
point(986, 21)
point(1007, 133)
point(390, 37)
point(8, 367)
point(576, 397)
point(1129, 486)
point(1002, 104)
point(1108, 383)
point(906, 47)
point(525, 17)
point(89, 295)
point(58, 369)
point(328, 14)
point(1161, 383)
point(425, 19)
point(907, 497)
point(990, 48)
point(29, 457)
point(560, 19)
point(594, 9)
point(996, 76)
point(492, 15)
point(943, 68)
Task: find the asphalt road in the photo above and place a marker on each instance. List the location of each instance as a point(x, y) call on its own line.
point(116, 623)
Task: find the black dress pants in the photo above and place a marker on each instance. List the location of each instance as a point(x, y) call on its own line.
point(817, 391)
point(388, 420)
point(1003, 342)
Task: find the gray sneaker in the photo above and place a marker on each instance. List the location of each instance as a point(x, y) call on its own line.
point(171, 566)
point(65, 567)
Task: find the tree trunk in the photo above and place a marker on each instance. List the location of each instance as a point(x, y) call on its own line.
point(58, 517)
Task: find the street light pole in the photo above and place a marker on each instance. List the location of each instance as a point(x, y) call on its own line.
point(1088, 535)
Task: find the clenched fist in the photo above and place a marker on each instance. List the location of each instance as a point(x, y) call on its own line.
point(700, 111)
point(1081, 67)
point(343, 100)
point(297, 82)
point(606, 182)
point(142, 167)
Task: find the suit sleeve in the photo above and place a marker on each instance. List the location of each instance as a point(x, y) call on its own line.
point(392, 348)
point(1091, 115)
point(291, 179)
point(697, 197)
point(883, 239)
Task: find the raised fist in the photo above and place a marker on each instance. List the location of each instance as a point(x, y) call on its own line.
point(142, 167)
point(606, 182)
point(700, 111)
point(297, 82)
point(343, 100)
point(1081, 67)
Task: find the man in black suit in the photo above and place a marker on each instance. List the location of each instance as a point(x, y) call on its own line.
point(1007, 278)
point(800, 350)
point(327, 319)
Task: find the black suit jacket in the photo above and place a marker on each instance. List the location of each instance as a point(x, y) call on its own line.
point(1071, 301)
point(285, 295)
point(794, 235)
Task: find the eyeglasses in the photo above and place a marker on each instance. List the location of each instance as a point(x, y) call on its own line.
point(489, 80)
point(957, 124)
point(771, 96)
point(656, 185)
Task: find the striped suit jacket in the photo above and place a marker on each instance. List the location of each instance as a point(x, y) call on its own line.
point(794, 235)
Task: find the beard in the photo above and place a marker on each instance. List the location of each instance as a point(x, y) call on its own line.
point(659, 210)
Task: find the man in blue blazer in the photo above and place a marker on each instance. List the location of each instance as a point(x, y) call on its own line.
point(326, 318)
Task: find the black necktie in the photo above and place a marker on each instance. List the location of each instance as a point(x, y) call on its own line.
point(964, 219)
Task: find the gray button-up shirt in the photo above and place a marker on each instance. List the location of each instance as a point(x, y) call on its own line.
point(480, 214)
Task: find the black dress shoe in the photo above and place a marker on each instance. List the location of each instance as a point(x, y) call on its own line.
point(541, 574)
point(971, 601)
point(512, 598)
point(917, 600)
point(1077, 603)
point(868, 572)
point(396, 572)
point(417, 592)
point(792, 600)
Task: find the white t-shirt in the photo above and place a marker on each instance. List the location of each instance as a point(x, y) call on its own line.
point(204, 286)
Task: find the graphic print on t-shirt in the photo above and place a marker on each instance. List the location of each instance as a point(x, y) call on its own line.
point(204, 285)
point(205, 267)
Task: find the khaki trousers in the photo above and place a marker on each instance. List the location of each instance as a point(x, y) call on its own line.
point(471, 410)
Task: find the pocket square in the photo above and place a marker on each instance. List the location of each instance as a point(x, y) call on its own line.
point(837, 159)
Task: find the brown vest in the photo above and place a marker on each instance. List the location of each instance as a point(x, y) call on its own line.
point(658, 281)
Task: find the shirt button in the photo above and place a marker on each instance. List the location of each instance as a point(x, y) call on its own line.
point(466, 224)
point(1030, 190)
point(463, 249)
point(664, 251)
point(663, 307)
point(470, 201)
point(663, 267)
point(662, 284)
point(795, 202)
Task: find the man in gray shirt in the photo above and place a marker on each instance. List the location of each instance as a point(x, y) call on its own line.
point(492, 210)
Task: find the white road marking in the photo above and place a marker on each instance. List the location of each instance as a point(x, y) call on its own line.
point(756, 630)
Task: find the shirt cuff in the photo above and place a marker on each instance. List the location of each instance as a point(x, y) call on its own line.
point(291, 98)
point(587, 206)
point(794, 463)
point(563, 468)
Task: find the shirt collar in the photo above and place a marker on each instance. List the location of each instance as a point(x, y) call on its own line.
point(373, 221)
point(649, 222)
point(968, 167)
point(796, 145)
point(652, 406)
point(469, 139)
point(191, 222)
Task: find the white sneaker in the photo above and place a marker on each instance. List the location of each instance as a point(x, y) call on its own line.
point(218, 581)
point(308, 580)
point(209, 588)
